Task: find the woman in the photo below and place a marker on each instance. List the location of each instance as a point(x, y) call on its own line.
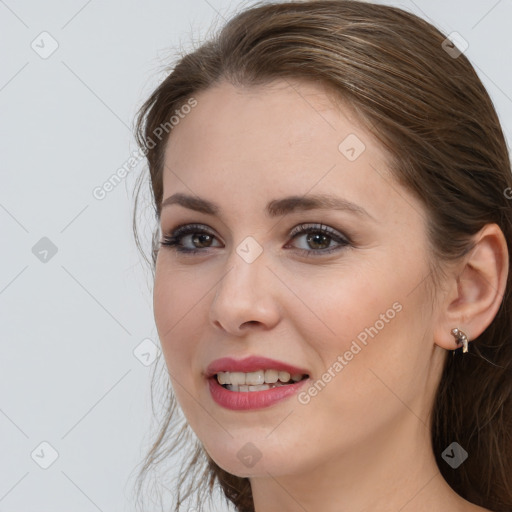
point(332, 286)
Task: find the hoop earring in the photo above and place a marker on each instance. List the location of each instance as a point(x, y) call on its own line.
point(461, 337)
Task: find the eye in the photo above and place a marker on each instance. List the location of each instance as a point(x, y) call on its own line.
point(317, 236)
point(201, 236)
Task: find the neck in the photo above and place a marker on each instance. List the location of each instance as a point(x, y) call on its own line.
point(395, 470)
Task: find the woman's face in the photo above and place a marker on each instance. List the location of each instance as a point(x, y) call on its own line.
point(349, 308)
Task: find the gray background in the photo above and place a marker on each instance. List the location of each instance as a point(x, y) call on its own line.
point(77, 326)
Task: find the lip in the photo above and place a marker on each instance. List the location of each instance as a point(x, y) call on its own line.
point(251, 364)
point(247, 400)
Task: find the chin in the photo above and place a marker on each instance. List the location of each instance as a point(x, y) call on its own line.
point(247, 459)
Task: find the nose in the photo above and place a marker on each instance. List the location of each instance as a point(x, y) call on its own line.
point(246, 296)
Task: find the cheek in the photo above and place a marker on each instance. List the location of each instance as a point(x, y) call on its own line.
point(356, 323)
point(176, 295)
point(374, 353)
point(337, 305)
point(175, 316)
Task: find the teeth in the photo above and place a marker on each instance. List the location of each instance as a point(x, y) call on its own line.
point(284, 376)
point(262, 387)
point(222, 378)
point(237, 378)
point(271, 376)
point(256, 379)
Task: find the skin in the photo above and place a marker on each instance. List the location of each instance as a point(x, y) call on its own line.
point(363, 442)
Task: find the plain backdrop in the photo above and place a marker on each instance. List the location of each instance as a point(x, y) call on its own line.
point(78, 341)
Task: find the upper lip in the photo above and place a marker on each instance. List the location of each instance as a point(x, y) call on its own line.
point(250, 364)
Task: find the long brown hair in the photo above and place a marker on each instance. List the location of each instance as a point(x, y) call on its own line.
point(427, 106)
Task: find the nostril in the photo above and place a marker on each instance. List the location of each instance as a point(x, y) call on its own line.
point(250, 322)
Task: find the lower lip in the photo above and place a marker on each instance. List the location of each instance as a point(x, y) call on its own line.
point(245, 400)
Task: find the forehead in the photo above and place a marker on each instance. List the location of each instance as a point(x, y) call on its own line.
point(278, 139)
point(285, 117)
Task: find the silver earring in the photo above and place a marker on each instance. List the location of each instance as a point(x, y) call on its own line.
point(461, 337)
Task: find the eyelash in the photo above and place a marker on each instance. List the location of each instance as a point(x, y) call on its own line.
point(173, 240)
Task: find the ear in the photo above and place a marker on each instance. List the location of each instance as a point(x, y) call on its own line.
point(475, 290)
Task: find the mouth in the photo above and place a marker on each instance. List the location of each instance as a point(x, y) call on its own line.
point(247, 397)
point(254, 382)
point(260, 380)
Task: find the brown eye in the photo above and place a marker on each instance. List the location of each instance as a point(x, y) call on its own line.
point(200, 238)
point(319, 238)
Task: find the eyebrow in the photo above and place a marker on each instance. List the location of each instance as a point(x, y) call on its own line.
point(276, 207)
